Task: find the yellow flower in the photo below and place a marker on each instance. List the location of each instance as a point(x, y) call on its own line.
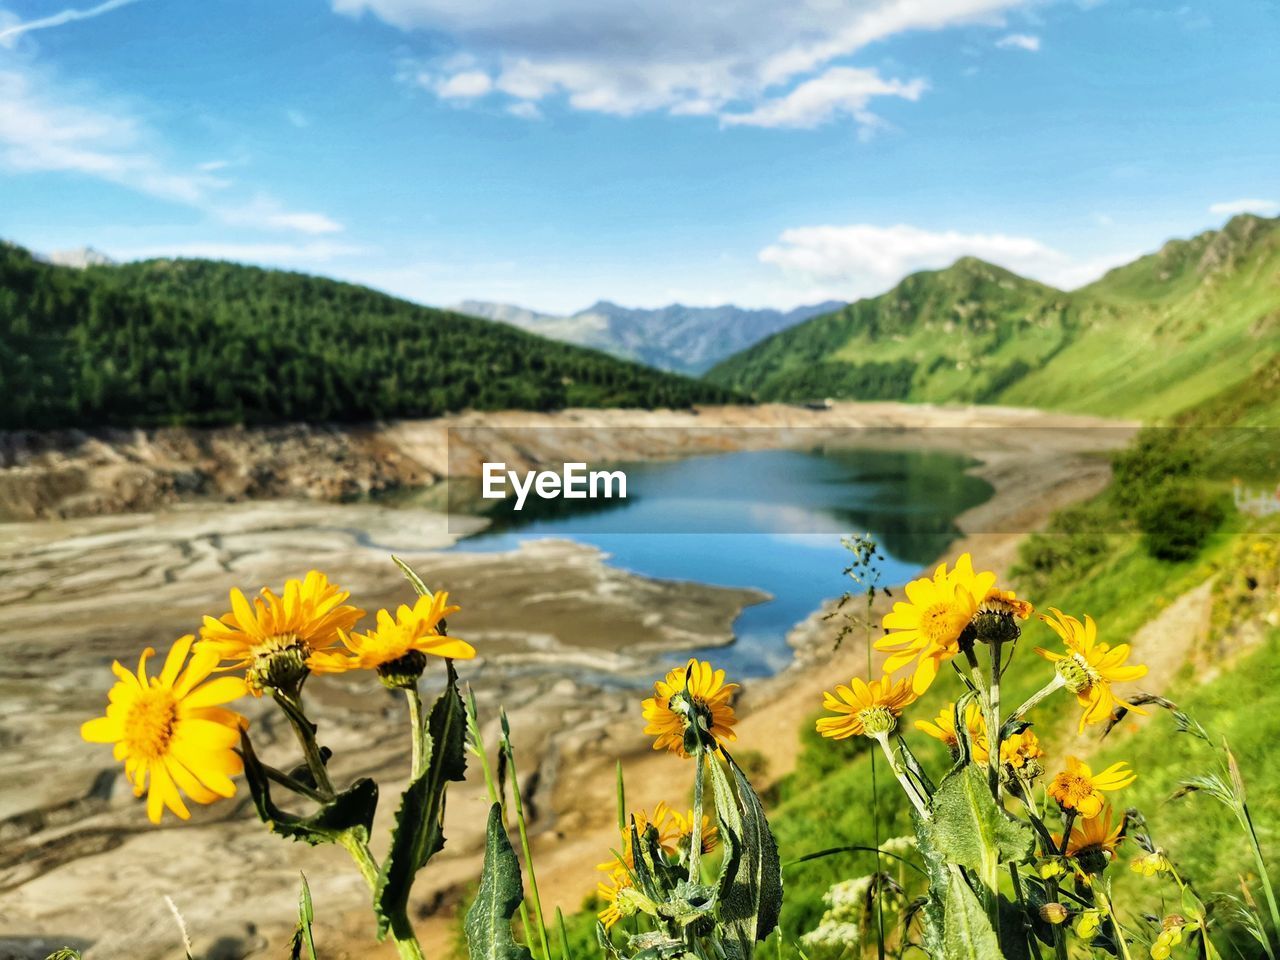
point(928, 626)
point(172, 731)
point(609, 889)
point(1006, 601)
point(1093, 835)
point(661, 820)
point(943, 728)
point(1089, 667)
point(414, 630)
point(692, 693)
point(275, 637)
point(683, 823)
point(1020, 750)
point(1078, 788)
point(1149, 864)
point(1170, 937)
point(866, 709)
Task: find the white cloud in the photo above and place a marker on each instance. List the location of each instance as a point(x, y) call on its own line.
point(858, 259)
point(267, 214)
point(466, 85)
point(42, 130)
point(297, 119)
point(10, 32)
point(841, 90)
point(525, 110)
point(1228, 208)
point(1019, 41)
point(668, 55)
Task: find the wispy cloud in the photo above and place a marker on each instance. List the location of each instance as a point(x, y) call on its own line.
point(770, 64)
point(44, 130)
point(1229, 208)
point(1019, 41)
point(839, 91)
point(858, 258)
point(9, 34)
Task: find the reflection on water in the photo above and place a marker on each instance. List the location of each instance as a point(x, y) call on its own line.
point(768, 519)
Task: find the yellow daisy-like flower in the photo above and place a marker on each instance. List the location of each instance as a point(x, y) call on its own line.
point(689, 694)
point(943, 727)
point(172, 731)
point(1019, 750)
point(928, 626)
point(1006, 601)
point(1089, 667)
point(683, 824)
point(275, 636)
point(1078, 788)
point(609, 889)
point(865, 709)
point(396, 642)
point(662, 820)
point(1093, 835)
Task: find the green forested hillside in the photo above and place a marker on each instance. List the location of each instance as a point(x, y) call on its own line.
point(1149, 339)
point(200, 342)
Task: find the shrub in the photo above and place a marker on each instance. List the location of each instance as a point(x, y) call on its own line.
point(1178, 519)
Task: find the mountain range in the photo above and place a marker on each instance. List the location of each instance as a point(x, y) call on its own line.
point(682, 339)
point(1149, 339)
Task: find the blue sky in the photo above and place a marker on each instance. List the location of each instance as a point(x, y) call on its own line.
point(554, 153)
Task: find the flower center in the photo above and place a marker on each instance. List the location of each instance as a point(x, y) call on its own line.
point(1070, 789)
point(148, 726)
point(943, 623)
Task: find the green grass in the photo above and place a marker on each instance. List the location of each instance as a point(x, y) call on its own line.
point(1164, 334)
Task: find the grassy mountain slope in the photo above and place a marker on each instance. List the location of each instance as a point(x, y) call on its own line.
point(1168, 331)
point(201, 342)
point(1149, 339)
point(962, 333)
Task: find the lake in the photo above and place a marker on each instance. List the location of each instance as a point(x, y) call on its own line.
point(771, 519)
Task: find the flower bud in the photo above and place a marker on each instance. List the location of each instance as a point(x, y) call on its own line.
point(877, 721)
point(283, 669)
point(1054, 913)
point(403, 672)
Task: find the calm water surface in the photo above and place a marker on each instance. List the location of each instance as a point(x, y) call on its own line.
point(769, 519)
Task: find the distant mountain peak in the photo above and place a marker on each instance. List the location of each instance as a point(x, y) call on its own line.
point(80, 258)
point(675, 337)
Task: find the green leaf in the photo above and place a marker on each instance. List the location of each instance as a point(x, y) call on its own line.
point(418, 834)
point(934, 911)
point(416, 581)
point(967, 933)
point(302, 935)
point(750, 890)
point(970, 829)
point(350, 812)
point(488, 923)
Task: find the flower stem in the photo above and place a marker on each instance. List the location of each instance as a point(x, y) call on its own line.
point(695, 836)
point(419, 731)
point(995, 734)
point(306, 734)
point(907, 786)
point(1031, 702)
point(539, 923)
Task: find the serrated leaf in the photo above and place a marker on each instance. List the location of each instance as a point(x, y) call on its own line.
point(350, 812)
point(934, 909)
point(488, 923)
point(750, 890)
point(970, 829)
point(967, 933)
point(418, 834)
